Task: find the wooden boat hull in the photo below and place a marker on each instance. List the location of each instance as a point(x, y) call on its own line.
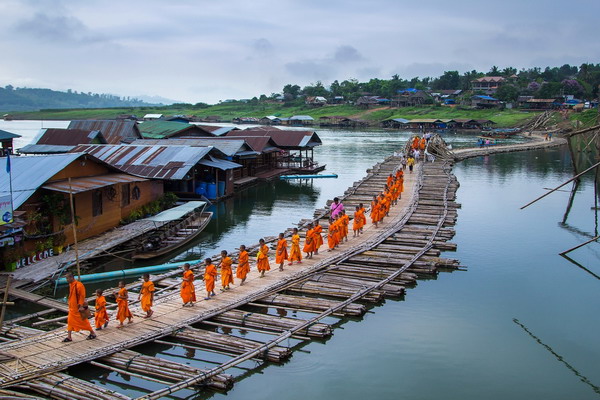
point(204, 219)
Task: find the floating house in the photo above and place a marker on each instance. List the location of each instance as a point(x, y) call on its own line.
point(300, 120)
point(298, 147)
point(41, 190)
point(169, 129)
point(57, 141)
point(113, 131)
point(341, 122)
point(6, 139)
point(187, 171)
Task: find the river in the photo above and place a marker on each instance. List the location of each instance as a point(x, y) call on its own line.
point(520, 323)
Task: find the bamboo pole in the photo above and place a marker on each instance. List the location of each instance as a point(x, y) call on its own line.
point(72, 205)
point(579, 245)
point(5, 299)
point(561, 185)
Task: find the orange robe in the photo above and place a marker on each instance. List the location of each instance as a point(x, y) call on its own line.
point(345, 222)
point(389, 180)
point(363, 217)
point(226, 271)
point(281, 253)
point(100, 316)
point(188, 291)
point(123, 312)
point(415, 142)
point(146, 292)
point(317, 233)
point(401, 184)
point(295, 253)
point(75, 322)
point(374, 212)
point(422, 144)
point(332, 235)
point(337, 229)
point(210, 275)
point(262, 259)
point(356, 222)
point(309, 245)
point(243, 265)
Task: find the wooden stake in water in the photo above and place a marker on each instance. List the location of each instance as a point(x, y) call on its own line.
point(74, 230)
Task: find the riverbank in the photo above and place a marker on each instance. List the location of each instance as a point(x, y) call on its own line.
point(226, 112)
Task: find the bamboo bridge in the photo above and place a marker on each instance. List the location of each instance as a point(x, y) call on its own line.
point(382, 263)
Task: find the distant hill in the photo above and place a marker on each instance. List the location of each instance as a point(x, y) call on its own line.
point(26, 99)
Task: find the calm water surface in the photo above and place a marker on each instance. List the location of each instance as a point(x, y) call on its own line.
point(454, 337)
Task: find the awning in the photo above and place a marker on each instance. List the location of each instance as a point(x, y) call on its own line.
point(79, 185)
point(177, 212)
point(219, 163)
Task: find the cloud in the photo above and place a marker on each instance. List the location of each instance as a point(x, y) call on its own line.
point(262, 46)
point(344, 54)
point(62, 29)
point(310, 69)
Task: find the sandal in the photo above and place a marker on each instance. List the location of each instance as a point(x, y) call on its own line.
point(92, 336)
point(66, 340)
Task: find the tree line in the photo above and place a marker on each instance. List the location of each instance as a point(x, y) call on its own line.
point(583, 82)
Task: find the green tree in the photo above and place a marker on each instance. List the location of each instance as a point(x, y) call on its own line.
point(507, 93)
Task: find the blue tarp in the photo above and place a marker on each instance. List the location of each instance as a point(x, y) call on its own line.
point(486, 97)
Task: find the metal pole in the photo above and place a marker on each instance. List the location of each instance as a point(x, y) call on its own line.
point(563, 184)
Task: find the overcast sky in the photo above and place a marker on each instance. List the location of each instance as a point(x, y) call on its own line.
point(208, 51)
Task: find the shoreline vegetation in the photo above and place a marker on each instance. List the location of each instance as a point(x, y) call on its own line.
point(228, 111)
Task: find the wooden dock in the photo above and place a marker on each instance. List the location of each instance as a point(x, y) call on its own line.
point(383, 262)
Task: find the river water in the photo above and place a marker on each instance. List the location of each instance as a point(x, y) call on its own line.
point(520, 323)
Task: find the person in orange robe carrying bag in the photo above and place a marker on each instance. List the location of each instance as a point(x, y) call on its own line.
point(226, 271)
point(77, 319)
point(262, 258)
point(281, 253)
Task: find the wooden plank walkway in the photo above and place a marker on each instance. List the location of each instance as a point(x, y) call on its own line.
point(45, 353)
point(537, 142)
point(41, 300)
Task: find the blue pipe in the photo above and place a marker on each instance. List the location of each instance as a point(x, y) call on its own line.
point(127, 272)
point(307, 176)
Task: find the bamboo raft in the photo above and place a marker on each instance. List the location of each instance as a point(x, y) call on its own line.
point(382, 263)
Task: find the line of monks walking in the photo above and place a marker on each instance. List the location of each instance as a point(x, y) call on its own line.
point(337, 233)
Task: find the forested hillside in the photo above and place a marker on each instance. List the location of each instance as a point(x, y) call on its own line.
point(25, 99)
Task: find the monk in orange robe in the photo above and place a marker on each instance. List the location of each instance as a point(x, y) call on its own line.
point(389, 180)
point(77, 320)
point(318, 236)
point(309, 245)
point(422, 144)
point(210, 276)
point(375, 211)
point(344, 221)
point(262, 258)
point(100, 315)
point(363, 217)
point(331, 235)
point(226, 271)
point(281, 253)
point(146, 295)
point(415, 142)
point(356, 222)
point(123, 305)
point(243, 265)
point(337, 228)
point(295, 253)
point(188, 290)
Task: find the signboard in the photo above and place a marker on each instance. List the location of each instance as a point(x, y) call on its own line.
point(6, 211)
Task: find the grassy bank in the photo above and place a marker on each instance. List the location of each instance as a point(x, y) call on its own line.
point(228, 111)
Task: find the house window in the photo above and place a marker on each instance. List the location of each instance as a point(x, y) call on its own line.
point(96, 203)
point(125, 196)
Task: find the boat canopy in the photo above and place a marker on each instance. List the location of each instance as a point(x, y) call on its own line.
point(177, 212)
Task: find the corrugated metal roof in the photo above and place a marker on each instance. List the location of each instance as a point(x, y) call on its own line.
point(177, 212)
point(28, 173)
point(68, 137)
point(216, 130)
point(166, 129)
point(424, 121)
point(220, 164)
point(4, 135)
point(115, 132)
point(44, 149)
point(79, 185)
point(289, 139)
point(228, 146)
point(156, 116)
point(301, 118)
point(160, 162)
